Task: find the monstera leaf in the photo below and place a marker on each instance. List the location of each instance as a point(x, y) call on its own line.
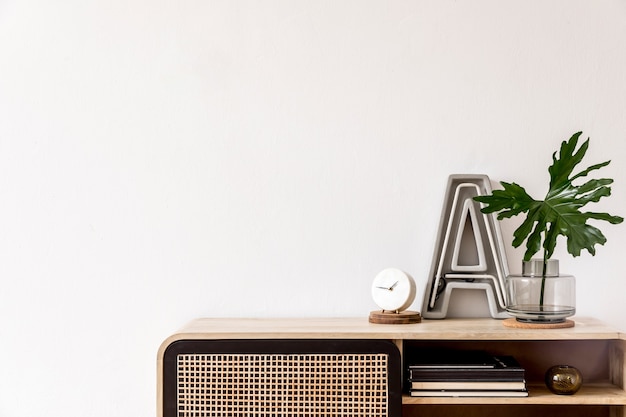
point(559, 213)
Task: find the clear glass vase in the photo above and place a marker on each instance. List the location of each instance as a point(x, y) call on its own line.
point(541, 295)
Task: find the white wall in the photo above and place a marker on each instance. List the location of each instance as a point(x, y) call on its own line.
point(161, 161)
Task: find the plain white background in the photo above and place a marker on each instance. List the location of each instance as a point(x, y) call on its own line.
point(166, 160)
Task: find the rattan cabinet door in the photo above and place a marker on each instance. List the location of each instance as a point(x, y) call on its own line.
point(219, 378)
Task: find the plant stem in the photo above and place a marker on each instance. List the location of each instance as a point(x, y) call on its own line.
point(543, 280)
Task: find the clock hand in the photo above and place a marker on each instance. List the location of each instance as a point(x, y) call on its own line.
point(389, 288)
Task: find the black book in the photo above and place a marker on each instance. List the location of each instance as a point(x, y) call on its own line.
point(496, 368)
point(443, 359)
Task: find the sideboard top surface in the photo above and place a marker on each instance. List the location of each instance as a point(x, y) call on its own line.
point(360, 328)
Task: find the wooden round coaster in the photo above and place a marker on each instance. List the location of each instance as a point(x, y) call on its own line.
point(512, 322)
point(389, 317)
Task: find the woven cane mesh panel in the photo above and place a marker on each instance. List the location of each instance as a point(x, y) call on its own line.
point(282, 385)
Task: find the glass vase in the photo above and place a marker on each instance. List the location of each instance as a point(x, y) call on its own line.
point(541, 294)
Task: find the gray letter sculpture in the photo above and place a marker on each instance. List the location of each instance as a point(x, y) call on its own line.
point(479, 265)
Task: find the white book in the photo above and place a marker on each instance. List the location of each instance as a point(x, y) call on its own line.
point(468, 385)
point(467, 393)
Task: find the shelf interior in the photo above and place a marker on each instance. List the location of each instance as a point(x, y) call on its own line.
point(536, 356)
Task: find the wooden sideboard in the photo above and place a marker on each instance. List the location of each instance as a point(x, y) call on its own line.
point(594, 348)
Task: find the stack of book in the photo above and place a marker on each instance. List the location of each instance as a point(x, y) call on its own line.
point(459, 373)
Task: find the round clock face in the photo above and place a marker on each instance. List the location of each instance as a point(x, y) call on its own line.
point(393, 290)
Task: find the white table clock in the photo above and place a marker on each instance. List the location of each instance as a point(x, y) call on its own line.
point(393, 291)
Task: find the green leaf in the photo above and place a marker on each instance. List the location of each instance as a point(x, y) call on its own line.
point(559, 213)
point(509, 202)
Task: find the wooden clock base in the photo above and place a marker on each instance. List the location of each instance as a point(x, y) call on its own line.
point(391, 317)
